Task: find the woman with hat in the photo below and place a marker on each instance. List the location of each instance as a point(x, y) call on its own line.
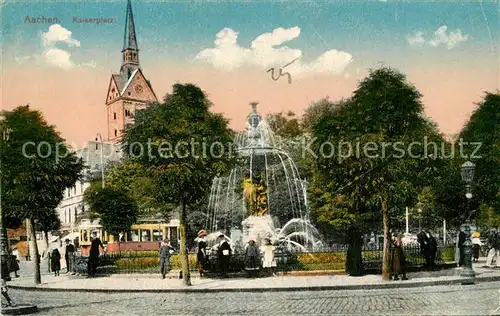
point(476, 242)
point(201, 256)
point(252, 258)
point(268, 262)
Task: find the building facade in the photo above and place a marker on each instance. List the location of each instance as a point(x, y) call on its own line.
point(95, 156)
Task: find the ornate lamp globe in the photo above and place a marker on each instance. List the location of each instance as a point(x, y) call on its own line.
point(468, 172)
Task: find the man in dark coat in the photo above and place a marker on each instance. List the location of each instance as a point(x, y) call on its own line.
point(428, 248)
point(94, 255)
point(461, 240)
point(223, 256)
point(69, 256)
point(164, 254)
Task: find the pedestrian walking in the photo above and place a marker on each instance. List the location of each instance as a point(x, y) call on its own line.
point(55, 261)
point(268, 262)
point(69, 256)
point(13, 265)
point(94, 255)
point(223, 256)
point(252, 258)
point(493, 243)
point(398, 259)
point(5, 295)
point(201, 255)
point(164, 254)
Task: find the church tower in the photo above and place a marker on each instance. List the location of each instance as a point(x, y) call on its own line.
point(128, 91)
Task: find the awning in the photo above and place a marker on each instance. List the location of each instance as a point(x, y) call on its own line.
point(71, 236)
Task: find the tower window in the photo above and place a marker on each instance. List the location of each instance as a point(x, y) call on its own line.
point(116, 133)
point(129, 93)
point(114, 115)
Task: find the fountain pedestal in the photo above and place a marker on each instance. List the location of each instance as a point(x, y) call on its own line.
point(258, 227)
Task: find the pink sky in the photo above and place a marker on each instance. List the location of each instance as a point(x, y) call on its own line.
point(74, 100)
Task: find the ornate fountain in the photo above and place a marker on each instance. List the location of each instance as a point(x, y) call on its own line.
point(264, 196)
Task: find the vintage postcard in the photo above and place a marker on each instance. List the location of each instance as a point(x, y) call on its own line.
point(250, 157)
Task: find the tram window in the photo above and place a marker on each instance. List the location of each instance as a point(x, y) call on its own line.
point(146, 235)
point(135, 235)
point(157, 235)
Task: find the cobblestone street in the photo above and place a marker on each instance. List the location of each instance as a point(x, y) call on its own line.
point(480, 299)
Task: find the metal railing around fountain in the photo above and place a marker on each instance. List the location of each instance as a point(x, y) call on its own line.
point(331, 259)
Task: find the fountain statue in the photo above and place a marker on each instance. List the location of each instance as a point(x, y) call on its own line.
point(262, 192)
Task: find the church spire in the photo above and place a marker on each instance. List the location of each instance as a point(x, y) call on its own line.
point(130, 52)
point(129, 40)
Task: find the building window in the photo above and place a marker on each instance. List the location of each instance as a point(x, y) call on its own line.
point(75, 189)
point(65, 216)
point(114, 115)
point(69, 215)
point(81, 187)
point(76, 213)
point(116, 133)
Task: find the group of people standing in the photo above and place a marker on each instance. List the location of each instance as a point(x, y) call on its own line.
point(428, 248)
point(254, 256)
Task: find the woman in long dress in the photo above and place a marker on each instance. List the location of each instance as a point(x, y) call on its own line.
point(55, 261)
point(252, 258)
point(201, 256)
point(269, 263)
point(476, 242)
point(398, 259)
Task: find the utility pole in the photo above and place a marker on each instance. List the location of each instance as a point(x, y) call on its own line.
point(99, 137)
point(407, 215)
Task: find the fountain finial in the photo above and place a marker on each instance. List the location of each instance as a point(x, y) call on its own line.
point(254, 106)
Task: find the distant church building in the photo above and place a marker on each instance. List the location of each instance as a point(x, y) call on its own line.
point(128, 91)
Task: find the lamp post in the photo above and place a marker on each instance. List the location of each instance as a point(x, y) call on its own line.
point(467, 172)
point(419, 220)
point(99, 137)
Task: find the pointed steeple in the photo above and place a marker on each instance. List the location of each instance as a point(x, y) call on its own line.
point(129, 39)
point(130, 52)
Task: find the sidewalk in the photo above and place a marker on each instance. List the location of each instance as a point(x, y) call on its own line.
point(154, 283)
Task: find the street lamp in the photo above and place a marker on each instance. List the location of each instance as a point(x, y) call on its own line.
point(99, 137)
point(467, 171)
point(419, 220)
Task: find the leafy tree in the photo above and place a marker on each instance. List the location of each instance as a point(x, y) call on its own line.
point(483, 128)
point(46, 224)
point(115, 208)
point(137, 180)
point(384, 111)
point(187, 147)
point(287, 126)
point(36, 169)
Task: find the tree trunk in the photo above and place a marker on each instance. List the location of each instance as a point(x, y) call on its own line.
point(46, 253)
point(186, 276)
point(34, 256)
point(354, 260)
point(385, 255)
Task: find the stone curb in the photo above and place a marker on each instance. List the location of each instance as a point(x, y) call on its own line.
point(388, 285)
point(20, 310)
